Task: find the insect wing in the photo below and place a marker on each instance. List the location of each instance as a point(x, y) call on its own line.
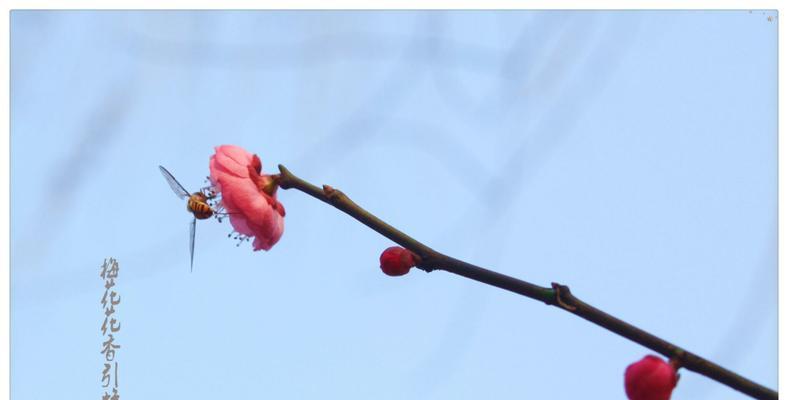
point(176, 187)
point(192, 228)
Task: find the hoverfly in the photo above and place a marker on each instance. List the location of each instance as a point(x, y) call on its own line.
point(197, 204)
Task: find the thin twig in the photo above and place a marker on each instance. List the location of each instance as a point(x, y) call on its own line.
point(557, 295)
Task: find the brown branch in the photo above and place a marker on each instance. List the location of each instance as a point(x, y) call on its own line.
point(557, 295)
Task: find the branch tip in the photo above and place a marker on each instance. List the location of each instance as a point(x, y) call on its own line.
point(285, 177)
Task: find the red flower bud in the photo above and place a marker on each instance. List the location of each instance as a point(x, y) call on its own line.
point(650, 379)
point(396, 261)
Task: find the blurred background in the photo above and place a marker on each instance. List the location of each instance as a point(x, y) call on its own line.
point(629, 155)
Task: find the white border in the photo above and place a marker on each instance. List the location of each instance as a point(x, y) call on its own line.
point(345, 4)
point(395, 5)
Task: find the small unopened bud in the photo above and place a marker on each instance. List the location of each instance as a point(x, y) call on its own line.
point(396, 261)
point(650, 379)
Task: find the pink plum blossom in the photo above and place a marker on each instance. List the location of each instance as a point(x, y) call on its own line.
point(248, 197)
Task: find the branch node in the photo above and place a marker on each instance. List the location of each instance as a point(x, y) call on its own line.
point(559, 291)
point(423, 263)
point(333, 196)
point(676, 360)
point(425, 268)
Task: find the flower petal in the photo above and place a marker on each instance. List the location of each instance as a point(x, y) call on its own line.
point(236, 174)
point(236, 153)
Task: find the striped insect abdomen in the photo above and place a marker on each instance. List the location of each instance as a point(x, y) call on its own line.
point(198, 206)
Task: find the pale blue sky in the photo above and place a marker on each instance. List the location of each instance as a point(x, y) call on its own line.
point(629, 155)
